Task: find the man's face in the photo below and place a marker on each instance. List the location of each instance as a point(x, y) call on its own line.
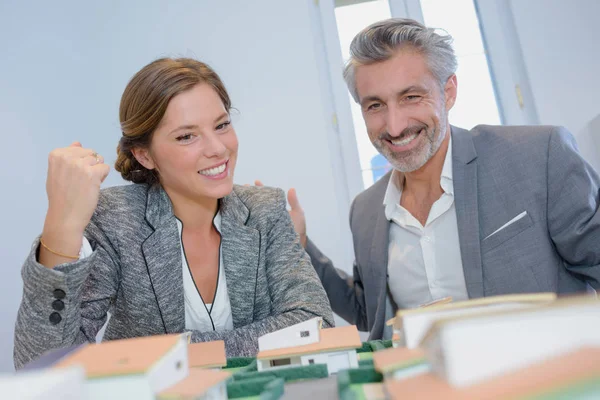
point(405, 109)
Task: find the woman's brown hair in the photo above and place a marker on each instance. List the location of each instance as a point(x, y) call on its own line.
point(144, 103)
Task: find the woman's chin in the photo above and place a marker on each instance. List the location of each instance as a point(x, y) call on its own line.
point(219, 191)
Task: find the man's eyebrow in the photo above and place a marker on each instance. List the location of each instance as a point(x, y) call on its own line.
point(403, 92)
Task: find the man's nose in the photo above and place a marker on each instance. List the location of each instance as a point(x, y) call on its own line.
point(397, 121)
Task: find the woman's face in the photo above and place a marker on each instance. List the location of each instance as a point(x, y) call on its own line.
point(194, 149)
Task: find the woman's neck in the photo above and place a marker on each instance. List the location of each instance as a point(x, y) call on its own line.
point(195, 214)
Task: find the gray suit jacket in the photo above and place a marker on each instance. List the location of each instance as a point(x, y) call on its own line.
point(498, 172)
point(135, 273)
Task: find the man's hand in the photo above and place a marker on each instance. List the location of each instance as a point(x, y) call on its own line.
point(296, 213)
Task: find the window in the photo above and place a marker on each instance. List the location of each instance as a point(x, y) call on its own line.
point(476, 102)
point(350, 20)
point(281, 362)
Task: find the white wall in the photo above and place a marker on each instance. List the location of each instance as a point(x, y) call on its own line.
point(559, 41)
point(65, 64)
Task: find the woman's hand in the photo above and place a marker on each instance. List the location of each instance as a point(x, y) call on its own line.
point(73, 187)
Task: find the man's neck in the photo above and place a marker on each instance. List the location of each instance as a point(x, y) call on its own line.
point(422, 187)
point(425, 182)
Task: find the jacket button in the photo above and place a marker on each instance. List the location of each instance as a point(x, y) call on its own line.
point(59, 293)
point(58, 305)
point(55, 318)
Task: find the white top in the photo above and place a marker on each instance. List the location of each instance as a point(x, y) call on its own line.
point(198, 315)
point(424, 262)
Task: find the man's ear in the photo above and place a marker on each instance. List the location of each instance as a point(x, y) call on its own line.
point(143, 157)
point(450, 90)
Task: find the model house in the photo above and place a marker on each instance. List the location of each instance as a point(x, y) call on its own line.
point(131, 368)
point(207, 355)
point(200, 384)
point(42, 384)
point(400, 363)
point(411, 325)
point(466, 350)
point(571, 375)
point(306, 343)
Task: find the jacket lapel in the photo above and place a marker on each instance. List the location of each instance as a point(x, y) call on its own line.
point(379, 269)
point(162, 253)
point(379, 250)
point(464, 162)
point(378, 255)
point(240, 245)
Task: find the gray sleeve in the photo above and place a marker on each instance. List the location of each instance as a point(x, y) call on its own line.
point(295, 290)
point(573, 207)
point(87, 285)
point(346, 293)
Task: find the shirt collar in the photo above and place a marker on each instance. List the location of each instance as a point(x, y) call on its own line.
point(393, 192)
point(446, 178)
point(216, 222)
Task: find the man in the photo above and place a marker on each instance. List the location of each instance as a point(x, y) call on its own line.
point(463, 214)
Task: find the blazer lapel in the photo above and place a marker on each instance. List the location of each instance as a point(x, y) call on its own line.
point(376, 233)
point(162, 253)
point(378, 253)
point(379, 269)
point(240, 245)
point(464, 161)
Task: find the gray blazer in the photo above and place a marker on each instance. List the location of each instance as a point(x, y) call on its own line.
point(135, 273)
point(498, 172)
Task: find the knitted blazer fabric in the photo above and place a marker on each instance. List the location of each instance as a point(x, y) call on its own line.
point(135, 272)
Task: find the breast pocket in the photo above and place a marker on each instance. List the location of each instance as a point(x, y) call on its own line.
point(508, 231)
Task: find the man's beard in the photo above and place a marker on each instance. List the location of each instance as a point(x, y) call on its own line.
point(415, 158)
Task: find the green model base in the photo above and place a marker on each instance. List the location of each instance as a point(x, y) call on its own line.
point(247, 383)
point(265, 388)
point(350, 382)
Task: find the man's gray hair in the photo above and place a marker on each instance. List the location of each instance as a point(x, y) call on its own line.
point(380, 41)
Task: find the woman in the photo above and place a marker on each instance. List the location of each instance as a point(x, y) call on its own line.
point(182, 249)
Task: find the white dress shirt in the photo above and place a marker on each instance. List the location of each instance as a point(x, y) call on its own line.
point(424, 262)
point(215, 316)
point(199, 315)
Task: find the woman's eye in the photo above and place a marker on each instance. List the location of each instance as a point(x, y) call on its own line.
point(223, 125)
point(184, 137)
